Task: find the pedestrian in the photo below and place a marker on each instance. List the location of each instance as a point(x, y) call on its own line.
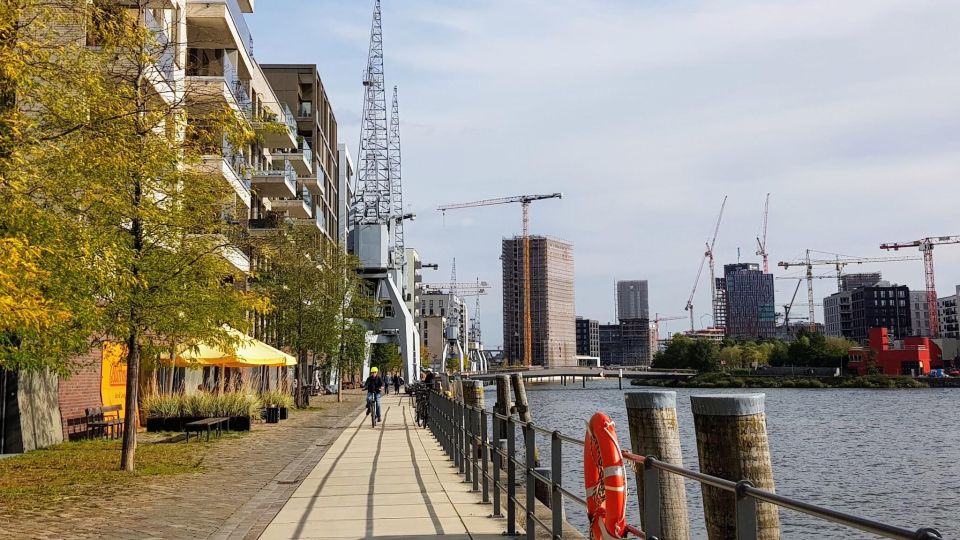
point(373, 385)
point(396, 382)
point(386, 384)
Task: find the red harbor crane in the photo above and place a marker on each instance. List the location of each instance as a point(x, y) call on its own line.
point(524, 201)
point(926, 248)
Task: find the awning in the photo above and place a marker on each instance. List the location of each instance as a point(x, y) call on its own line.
point(249, 352)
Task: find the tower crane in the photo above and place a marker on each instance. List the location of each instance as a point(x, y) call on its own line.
point(926, 247)
point(839, 263)
point(658, 319)
point(708, 255)
point(762, 240)
point(524, 201)
point(462, 288)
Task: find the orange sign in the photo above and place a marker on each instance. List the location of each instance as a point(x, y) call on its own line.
point(113, 373)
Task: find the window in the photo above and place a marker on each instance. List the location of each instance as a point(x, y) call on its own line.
point(306, 108)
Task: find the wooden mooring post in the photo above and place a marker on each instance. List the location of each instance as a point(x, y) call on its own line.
point(654, 431)
point(732, 444)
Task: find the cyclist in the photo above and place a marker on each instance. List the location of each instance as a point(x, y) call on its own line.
point(373, 385)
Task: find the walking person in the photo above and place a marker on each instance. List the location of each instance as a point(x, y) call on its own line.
point(373, 385)
point(397, 381)
point(386, 384)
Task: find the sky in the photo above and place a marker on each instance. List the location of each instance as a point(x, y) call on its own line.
point(645, 114)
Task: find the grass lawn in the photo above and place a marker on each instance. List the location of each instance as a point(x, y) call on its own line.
point(82, 469)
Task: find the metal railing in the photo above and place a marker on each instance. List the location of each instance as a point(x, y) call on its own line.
point(483, 446)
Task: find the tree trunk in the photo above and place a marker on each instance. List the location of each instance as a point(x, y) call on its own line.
point(130, 403)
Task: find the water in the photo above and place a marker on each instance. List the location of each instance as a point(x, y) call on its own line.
point(889, 455)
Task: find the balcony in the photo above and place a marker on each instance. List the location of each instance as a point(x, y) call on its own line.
point(219, 24)
point(213, 81)
point(278, 129)
point(228, 166)
point(264, 225)
point(301, 159)
point(297, 207)
point(276, 183)
point(228, 247)
point(314, 184)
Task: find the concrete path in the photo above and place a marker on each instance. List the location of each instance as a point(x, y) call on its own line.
point(392, 481)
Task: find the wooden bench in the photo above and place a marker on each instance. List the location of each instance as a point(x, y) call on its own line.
point(103, 420)
point(207, 424)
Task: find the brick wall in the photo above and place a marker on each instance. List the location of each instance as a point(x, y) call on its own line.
point(81, 390)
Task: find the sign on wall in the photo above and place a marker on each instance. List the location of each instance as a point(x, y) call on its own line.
point(113, 383)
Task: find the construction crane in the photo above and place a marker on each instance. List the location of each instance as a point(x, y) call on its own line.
point(762, 240)
point(524, 201)
point(838, 262)
point(926, 247)
point(708, 255)
point(463, 288)
point(657, 319)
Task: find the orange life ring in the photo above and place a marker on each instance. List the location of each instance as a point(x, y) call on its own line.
point(604, 479)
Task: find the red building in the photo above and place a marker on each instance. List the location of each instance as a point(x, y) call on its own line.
point(915, 357)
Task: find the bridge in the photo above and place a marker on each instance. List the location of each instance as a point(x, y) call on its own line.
point(571, 374)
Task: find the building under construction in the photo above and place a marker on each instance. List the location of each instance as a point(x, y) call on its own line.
point(552, 313)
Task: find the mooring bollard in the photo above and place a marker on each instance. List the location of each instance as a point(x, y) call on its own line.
point(732, 444)
point(520, 398)
point(654, 431)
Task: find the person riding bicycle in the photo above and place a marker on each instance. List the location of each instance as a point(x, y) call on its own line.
point(373, 385)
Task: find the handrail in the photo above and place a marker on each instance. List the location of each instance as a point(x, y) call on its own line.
point(462, 430)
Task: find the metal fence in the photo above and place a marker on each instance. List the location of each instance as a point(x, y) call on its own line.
point(483, 446)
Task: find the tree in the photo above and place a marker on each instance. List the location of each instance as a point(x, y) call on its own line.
point(293, 280)
point(159, 225)
point(48, 304)
point(386, 356)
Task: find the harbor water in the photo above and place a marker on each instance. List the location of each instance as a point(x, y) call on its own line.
point(889, 455)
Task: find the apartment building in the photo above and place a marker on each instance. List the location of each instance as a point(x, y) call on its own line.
point(919, 314)
point(552, 315)
point(301, 90)
point(749, 309)
point(947, 314)
point(880, 306)
point(588, 337)
point(444, 326)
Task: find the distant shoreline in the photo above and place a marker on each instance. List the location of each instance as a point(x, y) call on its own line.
point(722, 380)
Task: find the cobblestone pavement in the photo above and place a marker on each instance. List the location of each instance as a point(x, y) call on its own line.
point(243, 484)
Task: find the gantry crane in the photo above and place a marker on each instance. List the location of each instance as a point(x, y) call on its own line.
point(524, 201)
point(838, 262)
point(762, 240)
point(926, 247)
point(707, 256)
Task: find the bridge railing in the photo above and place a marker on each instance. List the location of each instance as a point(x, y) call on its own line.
point(484, 447)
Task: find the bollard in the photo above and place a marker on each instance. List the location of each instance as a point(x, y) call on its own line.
point(583, 380)
point(520, 397)
point(620, 381)
point(732, 444)
point(654, 431)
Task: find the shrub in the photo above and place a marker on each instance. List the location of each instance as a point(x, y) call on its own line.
point(163, 406)
point(202, 404)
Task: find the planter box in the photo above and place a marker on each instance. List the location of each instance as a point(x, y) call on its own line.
point(283, 413)
point(240, 423)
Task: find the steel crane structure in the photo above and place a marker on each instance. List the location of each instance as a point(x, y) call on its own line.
point(524, 201)
point(708, 256)
point(657, 319)
point(762, 240)
point(925, 245)
point(838, 262)
point(376, 209)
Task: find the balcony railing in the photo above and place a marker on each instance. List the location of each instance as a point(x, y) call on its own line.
point(223, 67)
point(237, 15)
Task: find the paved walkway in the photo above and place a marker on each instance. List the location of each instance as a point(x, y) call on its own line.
point(243, 483)
point(392, 481)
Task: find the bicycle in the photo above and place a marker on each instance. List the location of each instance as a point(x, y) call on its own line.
point(372, 408)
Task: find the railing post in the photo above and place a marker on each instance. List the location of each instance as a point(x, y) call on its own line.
point(475, 448)
point(651, 499)
point(458, 430)
point(511, 477)
point(530, 445)
point(484, 455)
point(467, 442)
point(556, 472)
point(746, 513)
point(497, 456)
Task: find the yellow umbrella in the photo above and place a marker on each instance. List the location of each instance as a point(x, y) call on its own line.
point(249, 352)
